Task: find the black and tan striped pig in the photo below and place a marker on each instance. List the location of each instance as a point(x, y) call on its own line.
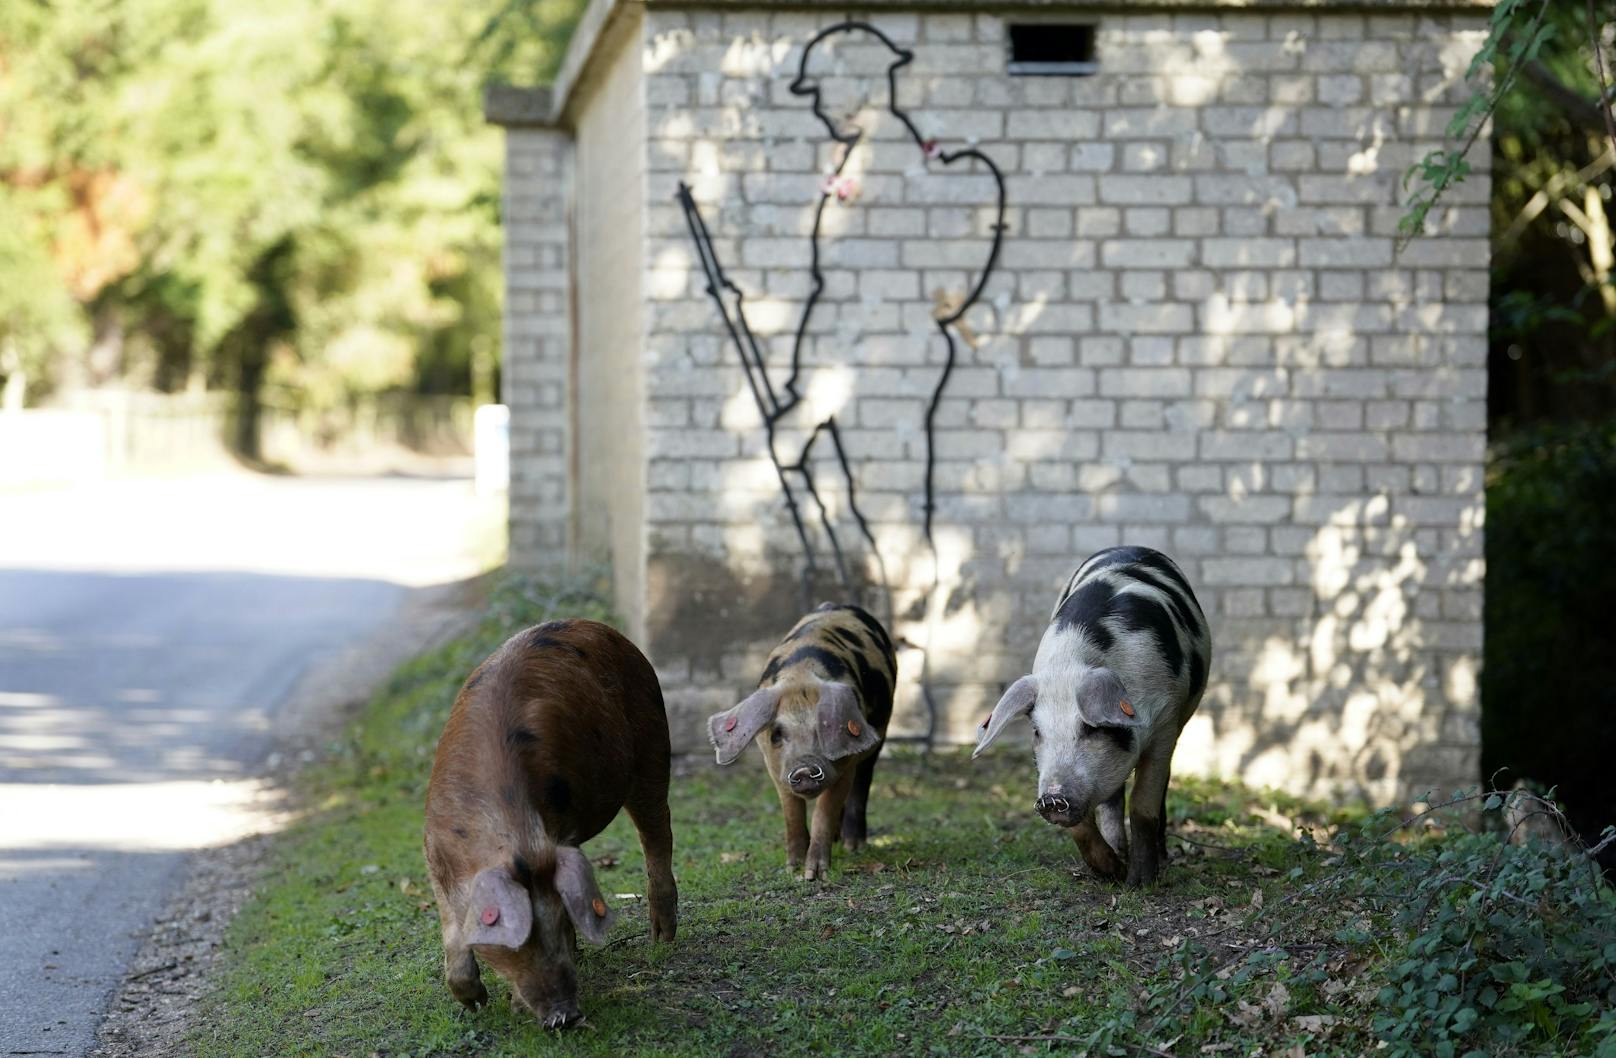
point(820, 716)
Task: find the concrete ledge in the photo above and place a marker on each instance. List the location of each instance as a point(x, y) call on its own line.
point(518, 107)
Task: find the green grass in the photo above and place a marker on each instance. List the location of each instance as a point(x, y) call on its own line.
point(966, 920)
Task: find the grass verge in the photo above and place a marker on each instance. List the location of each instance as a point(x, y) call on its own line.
point(967, 927)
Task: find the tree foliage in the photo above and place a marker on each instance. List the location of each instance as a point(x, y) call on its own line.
point(1549, 682)
point(1547, 105)
point(252, 192)
point(1548, 678)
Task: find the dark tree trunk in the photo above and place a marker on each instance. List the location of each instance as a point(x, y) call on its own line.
point(247, 346)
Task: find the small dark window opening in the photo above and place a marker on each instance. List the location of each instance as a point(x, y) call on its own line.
point(1052, 49)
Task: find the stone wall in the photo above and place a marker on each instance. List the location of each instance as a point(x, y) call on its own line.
point(538, 343)
point(609, 314)
point(1199, 338)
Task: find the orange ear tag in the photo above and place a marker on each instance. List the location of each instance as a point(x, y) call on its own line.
point(490, 915)
point(853, 728)
point(1127, 710)
point(600, 907)
point(729, 725)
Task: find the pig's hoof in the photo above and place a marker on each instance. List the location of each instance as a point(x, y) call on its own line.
point(1143, 867)
point(561, 1020)
point(815, 872)
point(663, 928)
point(1140, 879)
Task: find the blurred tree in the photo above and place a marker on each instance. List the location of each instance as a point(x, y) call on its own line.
point(37, 314)
point(1553, 350)
point(1548, 684)
point(1554, 305)
point(257, 193)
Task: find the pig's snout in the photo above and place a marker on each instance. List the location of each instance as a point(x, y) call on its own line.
point(807, 779)
point(1056, 809)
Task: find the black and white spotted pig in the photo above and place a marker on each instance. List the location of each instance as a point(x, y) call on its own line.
point(820, 716)
point(1119, 672)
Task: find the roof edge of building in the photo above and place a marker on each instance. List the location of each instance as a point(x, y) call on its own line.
point(516, 106)
point(544, 106)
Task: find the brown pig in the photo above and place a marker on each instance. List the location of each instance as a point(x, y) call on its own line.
point(549, 737)
point(820, 716)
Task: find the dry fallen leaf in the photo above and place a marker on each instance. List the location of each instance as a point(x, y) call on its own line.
point(1256, 899)
point(1279, 997)
point(731, 857)
point(1314, 1022)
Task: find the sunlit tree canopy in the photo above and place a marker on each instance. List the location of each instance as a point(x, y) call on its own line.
point(256, 193)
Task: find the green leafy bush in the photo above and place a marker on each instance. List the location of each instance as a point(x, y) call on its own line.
point(1505, 949)
point(1443, 943)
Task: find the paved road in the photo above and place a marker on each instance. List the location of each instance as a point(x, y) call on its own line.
point(148, 633)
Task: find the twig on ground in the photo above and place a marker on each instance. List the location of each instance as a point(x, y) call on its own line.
point(154, 970)
point(1240, 853)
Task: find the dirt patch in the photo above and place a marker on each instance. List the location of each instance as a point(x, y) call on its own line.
point(154, 1009)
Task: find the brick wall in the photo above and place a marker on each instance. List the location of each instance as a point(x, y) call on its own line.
point(1198, 339)
point(538, 343)
point(609, 314)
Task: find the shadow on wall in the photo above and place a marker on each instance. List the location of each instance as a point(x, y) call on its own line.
point(1122, 382)
point(1373, 686)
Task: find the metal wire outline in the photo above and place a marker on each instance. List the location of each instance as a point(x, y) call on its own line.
point(773, 406)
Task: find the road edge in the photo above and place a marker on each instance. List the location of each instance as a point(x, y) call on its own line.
point(151, 1012)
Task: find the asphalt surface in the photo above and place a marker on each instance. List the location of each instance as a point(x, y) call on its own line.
point(150, 633)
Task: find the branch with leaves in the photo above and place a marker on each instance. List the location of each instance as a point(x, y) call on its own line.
point(1434, 174)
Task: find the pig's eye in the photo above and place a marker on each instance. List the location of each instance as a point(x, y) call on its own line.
point(777, 734)
point(1036, 734)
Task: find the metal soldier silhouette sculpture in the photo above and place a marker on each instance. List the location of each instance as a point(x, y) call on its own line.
point(801, 483)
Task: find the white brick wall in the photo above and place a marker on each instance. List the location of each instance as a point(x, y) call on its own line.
point(1198, 338)
point(609, 170)
point(538, 342)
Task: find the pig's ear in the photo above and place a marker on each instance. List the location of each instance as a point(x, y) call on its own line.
point(575, 882)
point(843, 731)
point(499, 912)
point(1017, 702)
point(731, 730)
point(1103, 700)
